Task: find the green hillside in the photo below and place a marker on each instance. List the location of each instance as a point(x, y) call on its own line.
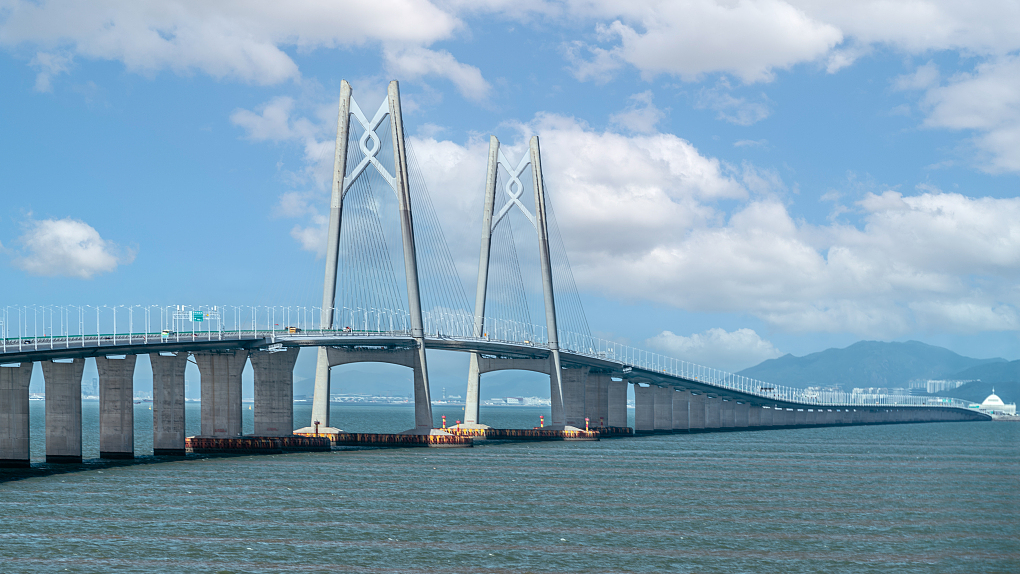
point(867, 364)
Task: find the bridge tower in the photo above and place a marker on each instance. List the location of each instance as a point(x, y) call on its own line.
point(490, 220)
point(397, 180)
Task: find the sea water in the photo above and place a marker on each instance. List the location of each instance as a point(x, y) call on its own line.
point(900, 498)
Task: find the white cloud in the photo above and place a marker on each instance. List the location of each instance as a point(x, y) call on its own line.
point(68, 247)
point(922, 78)
point(415, 62)
point(49, 64)
point(232, 39)
point(740, 111)
point(641, 116)
point(988, 103)
point(729, 351)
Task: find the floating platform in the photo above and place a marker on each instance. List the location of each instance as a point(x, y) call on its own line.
point(525, 434)
point(255, 444)
point(401, 440)
point(613, 432)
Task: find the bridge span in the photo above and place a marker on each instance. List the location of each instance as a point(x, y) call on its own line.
point(367, 315)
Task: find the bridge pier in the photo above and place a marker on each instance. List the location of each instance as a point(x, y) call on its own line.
point(644, 409)
point(63, 410)
point(274, 391)
point(765, 416)
point(741, 415)
point(601, 384)
point(712, 415)
point(168, 403)
point(617, 403)
point(681, 412)
point(753, 416)
point(726, 414)
point(696, 413)
point(663, 409)
point(591, 399)
point(14, 415)
point(221, 391)
point(574, 383)
point(116, 406)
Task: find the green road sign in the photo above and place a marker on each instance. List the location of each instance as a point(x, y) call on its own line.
point(196, 316)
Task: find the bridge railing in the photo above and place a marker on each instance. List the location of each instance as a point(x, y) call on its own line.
point(40, 327)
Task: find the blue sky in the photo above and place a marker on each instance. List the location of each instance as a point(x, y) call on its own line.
point(734, 180)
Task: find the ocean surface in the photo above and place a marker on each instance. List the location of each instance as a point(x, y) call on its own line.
point(905, 498)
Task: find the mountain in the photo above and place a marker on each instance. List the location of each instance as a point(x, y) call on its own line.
point(991, 373)
point(866, 364)
point(978, 391)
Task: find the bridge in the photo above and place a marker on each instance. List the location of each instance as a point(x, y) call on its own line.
point(376, 318)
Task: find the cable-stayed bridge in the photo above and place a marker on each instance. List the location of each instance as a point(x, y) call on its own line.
point(527, 315)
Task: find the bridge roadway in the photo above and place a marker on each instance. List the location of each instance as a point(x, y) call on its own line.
point(664, 401)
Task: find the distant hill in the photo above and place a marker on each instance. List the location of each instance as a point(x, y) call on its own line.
point(867, 364)
point(978, 391)
point(991, 373)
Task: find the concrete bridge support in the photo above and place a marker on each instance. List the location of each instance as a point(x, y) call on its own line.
point(712, 406)
point(800, 417)
point(681, 412)
point(274, 391)
point(644, 409)
point(116, 407)
point(617, 403)
point(741, 415)
point(726, 412)
point(574, 383)
point(600, 417)
point(754, 416)
point(221, 391)
point(664, 409)
point(765, 416)
point(696, 413)
point(14, 416)
point(168, 403)
point(63, 410)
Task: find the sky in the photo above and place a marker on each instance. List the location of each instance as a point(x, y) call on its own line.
point(733, 181)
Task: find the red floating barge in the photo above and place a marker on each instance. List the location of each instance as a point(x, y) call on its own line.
point(255, 444)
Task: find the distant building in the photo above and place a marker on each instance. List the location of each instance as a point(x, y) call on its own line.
point(993, 405)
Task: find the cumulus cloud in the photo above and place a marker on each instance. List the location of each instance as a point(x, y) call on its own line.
point(986, 102)
point(68, 247)
point(415, 62)
point(641, 116)
point(233, 39)
point(727, 350)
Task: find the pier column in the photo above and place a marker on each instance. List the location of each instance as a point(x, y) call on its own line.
point(168, 403)
point(63, 410)
point(221, 391)
point(754, 416)
point(574, 381)
point(602, 381)
point(644, 409)
point(800, 417)
point(116, 406)
point(741, 415)
point(274, 391)
point(14, 417)
point(591, 400)
point(712, 418)
point(696, 413)
point(726, 412)
point(681, 412)
point(781, 417)
point(617, 403)
point(765, 417)
point(664, 409)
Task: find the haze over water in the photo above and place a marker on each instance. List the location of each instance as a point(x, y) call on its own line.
point(903, 498)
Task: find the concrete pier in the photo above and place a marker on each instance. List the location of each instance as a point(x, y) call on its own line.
point(644, 409)
point(664, 409)
point(602, 381)
point(726, 412)
point(765, 417)
point(712, 419)
point(696, 413)
point(754, 416)
point(14, 417)
point(681, 413)
point(63, 410)
point(274, 391)
point(168, 403)
point(617, 403)
point(574, 382)
point(221, 391)
point(741, 415)
point(116, 406)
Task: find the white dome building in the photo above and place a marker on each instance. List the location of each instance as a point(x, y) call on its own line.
point(993, 405)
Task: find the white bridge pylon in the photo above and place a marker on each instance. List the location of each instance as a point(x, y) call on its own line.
point(398, 182)
point(513, 190)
